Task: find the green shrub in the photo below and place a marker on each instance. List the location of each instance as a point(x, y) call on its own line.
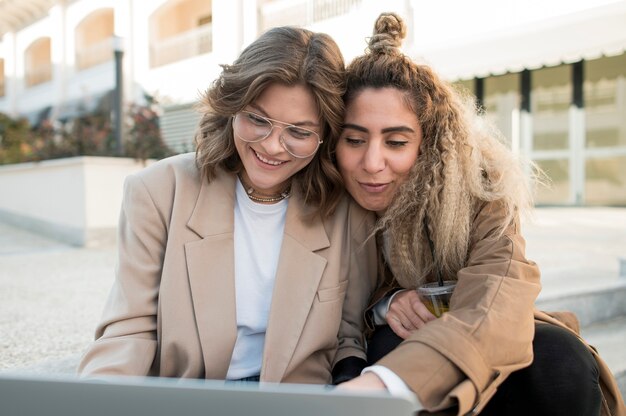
point(88, 135)
point(14, 139)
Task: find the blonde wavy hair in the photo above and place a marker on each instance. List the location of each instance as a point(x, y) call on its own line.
point(288, 56)
point(462, 163)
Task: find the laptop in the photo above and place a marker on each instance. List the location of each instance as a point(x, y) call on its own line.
point(29, 395)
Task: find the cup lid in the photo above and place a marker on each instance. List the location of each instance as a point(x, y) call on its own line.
point(434, 288)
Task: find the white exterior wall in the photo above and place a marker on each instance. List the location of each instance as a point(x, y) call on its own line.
point(434, 27)
point(183, 81)
point(76, 200)
point(31, 189)
point(7, 51)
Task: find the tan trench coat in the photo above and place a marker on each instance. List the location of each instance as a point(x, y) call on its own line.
point(171, 311)
point(461, 358)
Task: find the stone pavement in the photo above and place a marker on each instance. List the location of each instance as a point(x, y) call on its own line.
point(52, 294)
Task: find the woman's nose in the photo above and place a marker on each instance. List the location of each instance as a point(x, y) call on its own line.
point(272, 143)
point(373, 160)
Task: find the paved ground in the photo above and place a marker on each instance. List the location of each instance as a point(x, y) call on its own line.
point(577, 249)
point(51, 294)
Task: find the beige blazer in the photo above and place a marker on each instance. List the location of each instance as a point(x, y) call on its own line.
point(171, 311)
point(461, 358)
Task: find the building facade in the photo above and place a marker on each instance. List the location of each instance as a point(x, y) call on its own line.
point(551, 75)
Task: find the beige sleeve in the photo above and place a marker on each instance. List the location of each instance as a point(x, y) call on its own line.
point(126, 336)
point(361, 283)
point(460, 358)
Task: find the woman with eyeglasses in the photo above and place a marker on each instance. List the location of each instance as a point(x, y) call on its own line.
point(234, 263)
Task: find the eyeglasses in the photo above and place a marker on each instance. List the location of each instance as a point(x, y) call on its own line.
point(298, 141)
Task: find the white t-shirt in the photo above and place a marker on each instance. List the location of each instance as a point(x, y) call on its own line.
point(258, 238)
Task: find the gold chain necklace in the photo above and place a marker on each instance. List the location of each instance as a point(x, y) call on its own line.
point(270, 199)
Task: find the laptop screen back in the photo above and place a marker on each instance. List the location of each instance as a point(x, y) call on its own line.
point(68, 396)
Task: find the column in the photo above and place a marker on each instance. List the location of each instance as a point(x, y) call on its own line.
point(576, 135)
point(525, 117)
point(249, 23)
point(58, 55)
point(479, 92)
point(123, 12)
point(227, 30)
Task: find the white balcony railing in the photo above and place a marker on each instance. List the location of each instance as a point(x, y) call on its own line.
point(95, 54)
point(185, 45)
point(303, 12)
point(38, 75)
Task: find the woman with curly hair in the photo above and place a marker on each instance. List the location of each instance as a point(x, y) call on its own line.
point(449, 197)
point(234, 261)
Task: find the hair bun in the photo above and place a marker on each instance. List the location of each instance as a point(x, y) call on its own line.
point(389, 31)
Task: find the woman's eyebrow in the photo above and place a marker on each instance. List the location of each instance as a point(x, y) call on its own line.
point(399, 129)
point(355, 127)
point(262, 112)
point(258, 109)
point(395, 129)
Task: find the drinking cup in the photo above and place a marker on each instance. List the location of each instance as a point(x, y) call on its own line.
point(437, 298)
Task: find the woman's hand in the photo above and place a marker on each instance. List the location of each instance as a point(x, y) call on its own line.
point(407, 313)
point(367, 381)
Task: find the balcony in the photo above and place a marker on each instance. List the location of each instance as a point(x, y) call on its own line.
point(38, 74)
point(303, 12)
point(182, 46)
point(95, 54)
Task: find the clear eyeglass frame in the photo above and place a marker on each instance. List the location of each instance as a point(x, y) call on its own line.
point(271, 122)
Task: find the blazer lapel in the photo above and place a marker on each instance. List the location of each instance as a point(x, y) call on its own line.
point(298, 276)
point(210, 266)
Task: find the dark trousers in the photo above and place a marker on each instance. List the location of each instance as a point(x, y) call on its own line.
point(562, 380)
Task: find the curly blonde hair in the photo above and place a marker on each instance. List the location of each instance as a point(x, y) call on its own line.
point(288, 56)
point(462, 163)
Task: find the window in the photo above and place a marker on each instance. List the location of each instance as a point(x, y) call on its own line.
point(37, 62)
point(180, 30)
point(94, 39)
point(501, 103)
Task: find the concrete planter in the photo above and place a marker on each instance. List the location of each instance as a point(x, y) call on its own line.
point(76, 200)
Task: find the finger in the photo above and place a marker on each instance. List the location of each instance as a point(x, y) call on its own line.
point(401, 316)
point(406, 309)
point(416, 312)
point(420, 308)
point(401, 306)
point(423, 313)
point(416, 319)
point(397, 327)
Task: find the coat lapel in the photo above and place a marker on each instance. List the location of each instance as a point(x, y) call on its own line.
point(210, 266)
point(298, 276)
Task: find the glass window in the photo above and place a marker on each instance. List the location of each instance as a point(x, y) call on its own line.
point(501, 100)
point(605, 102)
point(605, 181)
point(558, 190)
point(550, 101)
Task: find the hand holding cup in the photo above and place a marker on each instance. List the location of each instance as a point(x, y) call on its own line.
point(407, 313)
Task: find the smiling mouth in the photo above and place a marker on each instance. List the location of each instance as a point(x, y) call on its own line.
point(267, 161)
point(374, 187)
